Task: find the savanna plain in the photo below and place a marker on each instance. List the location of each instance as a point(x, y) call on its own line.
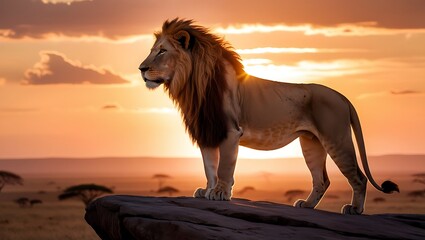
point(276, 180)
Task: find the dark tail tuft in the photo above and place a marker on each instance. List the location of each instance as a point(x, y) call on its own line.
point(389, 187)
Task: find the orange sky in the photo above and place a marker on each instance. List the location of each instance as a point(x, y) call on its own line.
point(70, 87)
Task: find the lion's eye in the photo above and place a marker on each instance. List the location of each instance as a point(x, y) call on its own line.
point(161, 51)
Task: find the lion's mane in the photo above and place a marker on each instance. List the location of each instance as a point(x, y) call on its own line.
point(199, 83)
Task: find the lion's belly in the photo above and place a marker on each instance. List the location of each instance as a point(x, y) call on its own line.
point(269, 138)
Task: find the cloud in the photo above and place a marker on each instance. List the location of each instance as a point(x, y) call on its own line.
point(353, 29)
point(69, 2)
point(111, 107)
point(387, 93)
point(106, 18)
point(59, 37)
point(2, 81)
point(55, 68)
point(405, 92)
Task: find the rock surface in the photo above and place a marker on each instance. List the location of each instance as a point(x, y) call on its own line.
point(136, 217)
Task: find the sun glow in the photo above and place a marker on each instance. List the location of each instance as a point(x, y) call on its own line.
point(289, 151)
point(303, 71)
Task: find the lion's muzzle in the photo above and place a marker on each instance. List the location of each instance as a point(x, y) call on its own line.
point(143, 69)
point(150, 83)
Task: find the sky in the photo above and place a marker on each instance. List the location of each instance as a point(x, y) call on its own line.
point(70, 87)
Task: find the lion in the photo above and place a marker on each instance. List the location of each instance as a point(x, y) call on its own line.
point(223, 107)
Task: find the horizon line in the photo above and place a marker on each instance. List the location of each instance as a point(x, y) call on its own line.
point(183, 157)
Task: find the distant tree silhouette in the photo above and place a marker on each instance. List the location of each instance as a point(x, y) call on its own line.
point(22, 202)
point(85, 192)
point(419, 178)
point(51, 183)
point(161, 179)
point(9, 178)
point(379, 200)
point(35, 201)
point(290, 194)
point(168, 189)
point(416, 194)
point(246, 189)
point(332, 196)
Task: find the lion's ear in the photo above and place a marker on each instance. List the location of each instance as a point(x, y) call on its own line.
point(183, 37)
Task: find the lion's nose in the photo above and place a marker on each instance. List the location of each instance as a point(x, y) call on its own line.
point(143, 68)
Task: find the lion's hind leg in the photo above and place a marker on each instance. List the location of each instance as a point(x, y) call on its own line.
point(315, 157)
point(344, 156)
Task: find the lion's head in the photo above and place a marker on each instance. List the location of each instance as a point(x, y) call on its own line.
point(189, 61)
point(168, 60)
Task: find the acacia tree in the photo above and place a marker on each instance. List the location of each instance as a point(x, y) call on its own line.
point(85, 192)
point(26, 202)
point(168, 189)
point(290, 194)
point(22, 201)
point(161, 179)
point(246, 189)
point(419, 178)
point(35, 201)
point(9, 178)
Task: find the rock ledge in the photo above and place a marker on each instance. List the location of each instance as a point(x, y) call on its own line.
point(136, 217)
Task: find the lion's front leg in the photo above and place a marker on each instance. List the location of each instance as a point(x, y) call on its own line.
point(226, 168)
point(210, 158)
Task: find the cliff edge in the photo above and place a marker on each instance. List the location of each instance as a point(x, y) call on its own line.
point(137, 217)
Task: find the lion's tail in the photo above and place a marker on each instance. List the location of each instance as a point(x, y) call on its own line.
point(387, 186)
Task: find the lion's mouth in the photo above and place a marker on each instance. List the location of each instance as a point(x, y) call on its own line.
point(153, 83)
point(158, 81)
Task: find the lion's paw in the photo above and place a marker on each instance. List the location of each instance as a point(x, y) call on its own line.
point(300, 203)
point(221, 192)
point(350, 209)
point(199, 193)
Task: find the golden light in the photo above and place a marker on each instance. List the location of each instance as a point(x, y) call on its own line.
point(289, 151)
point(304, 71)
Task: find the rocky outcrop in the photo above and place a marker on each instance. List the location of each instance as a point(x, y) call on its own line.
point(136, 217)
